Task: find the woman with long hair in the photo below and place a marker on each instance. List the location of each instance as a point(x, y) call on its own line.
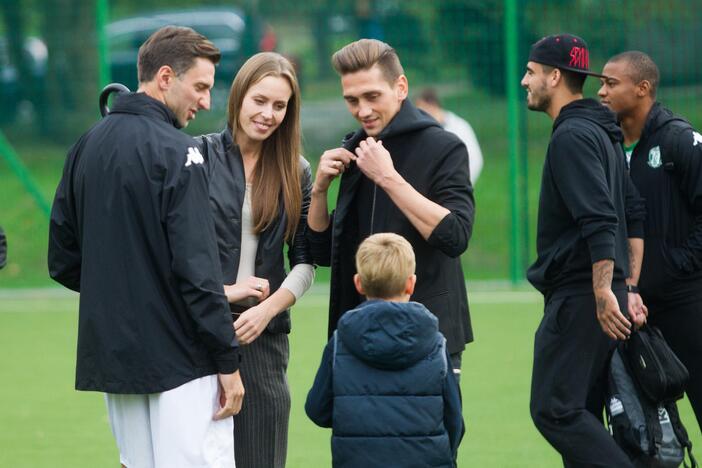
point(260, 191)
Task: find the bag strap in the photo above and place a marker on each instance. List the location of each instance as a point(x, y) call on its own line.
point(681, 433)
point(653, 426)
point(693, 462)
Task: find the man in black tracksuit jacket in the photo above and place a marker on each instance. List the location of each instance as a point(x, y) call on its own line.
point(588, 209)
point(131, 230)
point(666, 166)
point(415, 183)
point(128, 227)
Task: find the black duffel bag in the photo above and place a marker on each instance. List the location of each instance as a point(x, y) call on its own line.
point(657, 370)
point(651, 433)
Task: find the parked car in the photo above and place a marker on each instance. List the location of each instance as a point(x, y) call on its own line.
point(237, 35)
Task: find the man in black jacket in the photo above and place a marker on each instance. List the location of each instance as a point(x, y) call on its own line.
point(588, 209)
point(131, 230)
point(402, 173)
point(665, 161)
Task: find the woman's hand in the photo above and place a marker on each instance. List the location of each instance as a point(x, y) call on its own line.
point(252, 322)
point(251, 287)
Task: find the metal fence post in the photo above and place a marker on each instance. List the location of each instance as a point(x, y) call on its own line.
point(513, 136)
point(102, 9)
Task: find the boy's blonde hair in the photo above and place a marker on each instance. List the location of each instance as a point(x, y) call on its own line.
point(384, 262)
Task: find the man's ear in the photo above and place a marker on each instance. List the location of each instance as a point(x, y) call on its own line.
point(357, 283)
point(165, 77)
point(643, 88)
point(410, 284)
point(555, 77)
point(401, 87)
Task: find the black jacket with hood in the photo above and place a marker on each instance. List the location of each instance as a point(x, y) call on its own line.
point(227, 189)
point(666, 167)
point(131, 230)
point(435, 163)
point(588, 207)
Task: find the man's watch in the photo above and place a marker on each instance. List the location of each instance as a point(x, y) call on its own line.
point(631, 288)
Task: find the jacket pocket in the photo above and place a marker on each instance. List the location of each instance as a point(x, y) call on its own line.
point(658, 269)
point(553, 319)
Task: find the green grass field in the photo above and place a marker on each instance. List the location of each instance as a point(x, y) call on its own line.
point(45, 423)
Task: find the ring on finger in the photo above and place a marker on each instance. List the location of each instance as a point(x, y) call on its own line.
point(259, 287)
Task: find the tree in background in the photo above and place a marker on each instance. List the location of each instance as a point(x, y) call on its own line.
point(14, 21)
point(69, 29)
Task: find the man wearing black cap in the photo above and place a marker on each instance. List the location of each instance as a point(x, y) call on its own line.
point(582, 260)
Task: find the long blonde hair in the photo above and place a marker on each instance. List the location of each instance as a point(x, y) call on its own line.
point(277, 170)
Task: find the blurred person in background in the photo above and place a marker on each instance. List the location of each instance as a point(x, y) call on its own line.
point(132, 232)
point(664, 155)
point(402, 173)
point(428, 101)
point(590, 217)
point(260, 193)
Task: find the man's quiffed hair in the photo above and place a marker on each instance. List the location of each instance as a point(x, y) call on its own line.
point(384, 262)
point(175, 46)
point(641, 68)
point(363, 54)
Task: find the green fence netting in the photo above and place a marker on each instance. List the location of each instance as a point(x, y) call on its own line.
point(56, 54)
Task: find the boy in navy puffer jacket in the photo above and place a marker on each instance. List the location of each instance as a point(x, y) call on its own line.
point(385, 386)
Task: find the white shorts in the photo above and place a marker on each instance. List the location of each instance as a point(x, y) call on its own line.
point(172, 429)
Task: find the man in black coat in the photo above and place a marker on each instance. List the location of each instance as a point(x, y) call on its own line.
point(664, 154)
point(588, 212)
point(131, 231)
point(402, 173)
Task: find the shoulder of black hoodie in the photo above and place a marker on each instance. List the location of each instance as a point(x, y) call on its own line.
point(575, 161)
point(681, 145)
point(450, 182)
point(451, 189)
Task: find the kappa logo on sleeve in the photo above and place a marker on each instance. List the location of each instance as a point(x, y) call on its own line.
point(696, 138)
point(194, 156)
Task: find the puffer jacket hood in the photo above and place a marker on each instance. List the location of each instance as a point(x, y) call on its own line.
point(389, 335)
point(593, 111)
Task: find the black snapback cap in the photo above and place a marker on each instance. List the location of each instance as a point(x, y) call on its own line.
point(563, 51)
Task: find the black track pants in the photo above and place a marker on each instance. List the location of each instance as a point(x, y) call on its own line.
point(571, 356)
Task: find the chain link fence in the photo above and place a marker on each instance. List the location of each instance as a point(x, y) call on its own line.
point(55, 55)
